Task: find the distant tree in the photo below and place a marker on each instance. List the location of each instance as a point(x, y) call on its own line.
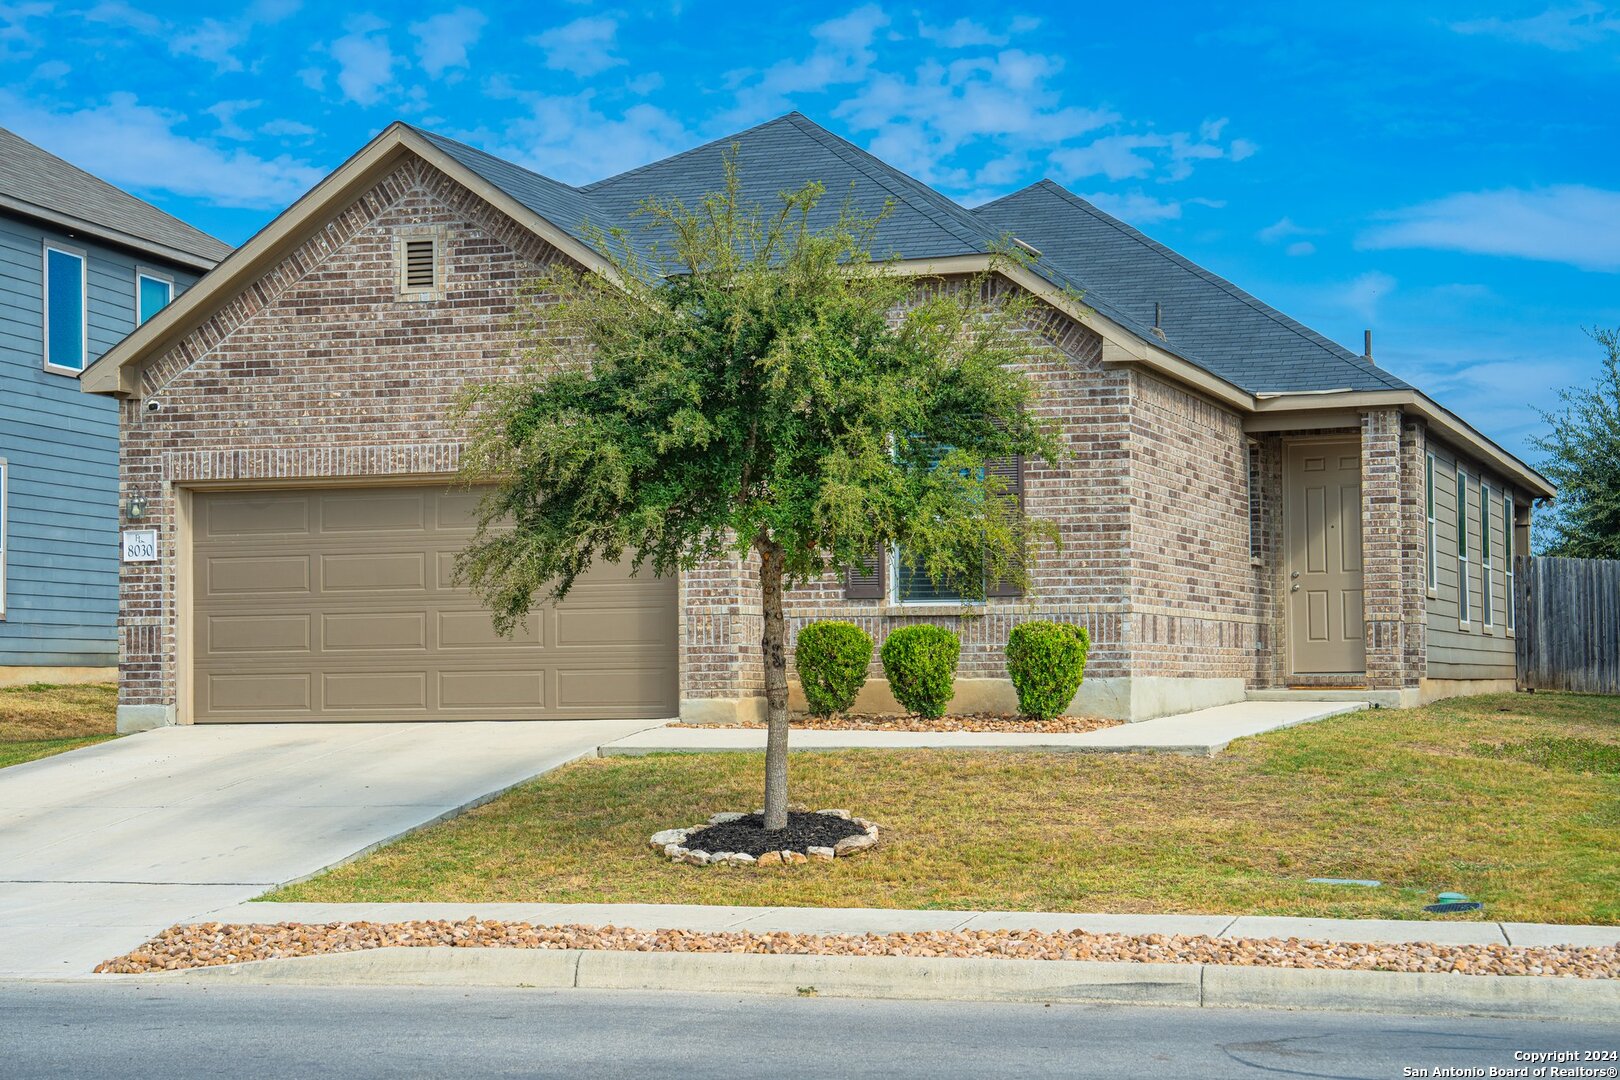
point(760, 387)
point(1583, 459)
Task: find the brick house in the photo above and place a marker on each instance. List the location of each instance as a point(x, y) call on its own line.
point(1246, 507)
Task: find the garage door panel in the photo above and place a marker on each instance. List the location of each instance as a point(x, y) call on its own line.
point(475, 630)
point(356, 618)
point(372, 631)
point(374, 512)
point(257, 633)
point(492, 689)
point(255, 576)
point(254, 515)
point(266, 692)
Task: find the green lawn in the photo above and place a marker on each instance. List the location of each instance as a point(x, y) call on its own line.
point(1513, 799)
point(40, 720)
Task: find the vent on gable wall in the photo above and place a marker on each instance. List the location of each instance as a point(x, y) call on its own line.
point(421, 264)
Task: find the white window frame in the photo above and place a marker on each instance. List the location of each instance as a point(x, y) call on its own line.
point(143, 273)
point(1507, 559)
point(5, 525)
point(45, 306)
point(1487, 600)
point(1464, 609)
point(1434, 553)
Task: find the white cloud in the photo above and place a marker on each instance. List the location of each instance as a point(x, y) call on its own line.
point(1563, 28)
point(365, 60)
point(212, 41)
point(1282, 229)
point(965, 33)
point(1566, 223)
point(1118, 157)
point(583, 47)
point(1135, 207)
point(120, 14)
point(1363, 294)
point(284, 128)
point(226, 113)
point(442, 40)
point(136, 146)
point(568, 138)
point(841, 55)
point(17, 37)
point(1300, 248)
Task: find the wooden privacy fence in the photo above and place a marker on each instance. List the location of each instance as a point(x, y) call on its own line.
point(1568, 624)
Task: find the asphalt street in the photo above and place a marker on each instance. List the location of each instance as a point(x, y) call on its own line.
point(85, 1029)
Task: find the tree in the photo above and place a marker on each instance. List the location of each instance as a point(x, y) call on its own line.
point(1583, 459)
point(752, 382)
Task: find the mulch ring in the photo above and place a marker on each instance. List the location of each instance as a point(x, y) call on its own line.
point(1011, 723)
point(211, 944)
point(747, 834)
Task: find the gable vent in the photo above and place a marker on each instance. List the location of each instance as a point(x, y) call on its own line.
point(420, 264)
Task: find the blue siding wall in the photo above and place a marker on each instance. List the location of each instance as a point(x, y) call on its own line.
point(61, 449)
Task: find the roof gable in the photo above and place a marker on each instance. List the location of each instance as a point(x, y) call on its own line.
point(39, 184)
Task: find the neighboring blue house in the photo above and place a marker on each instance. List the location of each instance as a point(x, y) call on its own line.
point(81, 265)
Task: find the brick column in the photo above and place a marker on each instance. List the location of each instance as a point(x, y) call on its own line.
point(1382, 558)
point(1414, 552)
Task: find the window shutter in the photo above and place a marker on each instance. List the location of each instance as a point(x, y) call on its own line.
point(1011, 472)
point(866, 582)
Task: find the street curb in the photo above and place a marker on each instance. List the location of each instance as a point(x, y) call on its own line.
point(944, 979)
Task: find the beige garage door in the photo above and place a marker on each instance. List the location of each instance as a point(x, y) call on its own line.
point(337, 605)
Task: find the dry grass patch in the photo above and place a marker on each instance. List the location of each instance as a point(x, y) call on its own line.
point(40, 719)
point(1419, 800)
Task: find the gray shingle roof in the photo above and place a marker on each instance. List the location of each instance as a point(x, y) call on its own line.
point(36, 182)
point(1205, 318)
point(1120, 272)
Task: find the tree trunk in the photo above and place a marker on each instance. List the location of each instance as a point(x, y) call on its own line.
point(776, 693)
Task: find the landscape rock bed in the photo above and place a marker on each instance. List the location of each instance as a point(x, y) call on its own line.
point(741, 840)
point(1008, 723)
point(212, 944)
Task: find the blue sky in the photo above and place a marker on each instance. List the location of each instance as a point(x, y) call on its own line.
point(1447, 174)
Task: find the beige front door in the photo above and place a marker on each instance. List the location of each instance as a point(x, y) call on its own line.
point(338, 604)
point(1323, 525)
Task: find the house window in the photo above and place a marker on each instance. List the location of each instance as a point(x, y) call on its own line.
point(1255, 523)
point(914, 585)
point(1487, 601)
point(1428, 510)
point(1464, 615)
point(1507, 556)
point(5, 476)
point(153, 292)
point(66, 326)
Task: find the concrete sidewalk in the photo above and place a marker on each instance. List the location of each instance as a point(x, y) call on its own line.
point(896, 920)
point(103, 847)
point(1205, 732)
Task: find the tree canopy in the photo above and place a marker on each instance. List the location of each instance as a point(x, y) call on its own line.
point(1582, 456)
point(751, 381)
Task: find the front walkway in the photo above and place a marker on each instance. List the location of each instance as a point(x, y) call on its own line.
point(104, 846)
point(1204, 732)
point(702, 918)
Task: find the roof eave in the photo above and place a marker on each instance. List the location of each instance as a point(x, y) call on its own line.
point(131, 241)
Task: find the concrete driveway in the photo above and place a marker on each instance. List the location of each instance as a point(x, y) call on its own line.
point(101, 847)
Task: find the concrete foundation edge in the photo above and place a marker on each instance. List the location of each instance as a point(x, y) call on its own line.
point(56, 676)
point(133, 718)
point(1440, 689)
point(1141, 697)
point(956, 979)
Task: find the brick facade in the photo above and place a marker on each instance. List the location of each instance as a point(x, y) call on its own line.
point(320, 371)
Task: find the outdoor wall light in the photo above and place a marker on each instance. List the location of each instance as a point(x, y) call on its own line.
point(135, 508)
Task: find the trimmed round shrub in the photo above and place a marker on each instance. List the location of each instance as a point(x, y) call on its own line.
point(920, 662)
point(832, 658)
point(1046, 661)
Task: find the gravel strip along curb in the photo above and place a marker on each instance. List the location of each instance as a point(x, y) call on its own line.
point(210, 944)
point(1010, 723)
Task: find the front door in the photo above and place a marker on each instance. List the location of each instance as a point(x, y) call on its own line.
point(1323, 525)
